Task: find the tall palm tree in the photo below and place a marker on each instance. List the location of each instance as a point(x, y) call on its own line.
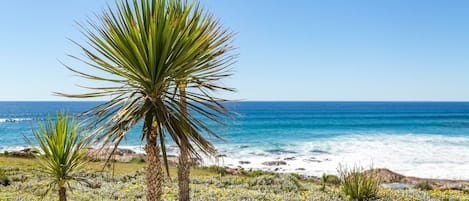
point(142, 50)
point(184, 165)
point(62, 151)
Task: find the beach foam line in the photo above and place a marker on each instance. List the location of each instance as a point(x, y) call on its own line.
point(6, 120)
point(419, 155)
point(426, 156)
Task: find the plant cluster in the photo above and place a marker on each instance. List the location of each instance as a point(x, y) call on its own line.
point(357, 184)
point(131, 186)
point(4, 179)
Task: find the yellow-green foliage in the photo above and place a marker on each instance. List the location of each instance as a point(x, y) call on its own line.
point(216, 169)
point(254, 173)
point(357, 184)
point(4, 179)
point(129, 185)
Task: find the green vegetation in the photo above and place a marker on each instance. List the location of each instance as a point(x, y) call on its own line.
point(146, 54)
point(254, 173)
point(4, 179)
point(328, 179)
point(61, 151)
point(129, 185)
point(357, 184)
point(216, 169)
point(137, 160)
point(18, 154)
point(425, 185)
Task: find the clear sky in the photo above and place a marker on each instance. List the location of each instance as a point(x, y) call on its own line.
point(289, 50)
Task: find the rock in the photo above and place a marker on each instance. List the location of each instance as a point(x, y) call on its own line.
point(459, 186)
point(312, 159)
point(317, 151)
point(388, 176)
point(232, 171)
point(5, 181)
point(289, 158)
point(280, 151)
point(397, 185)
point(29, 150)
point(127, 155)
point(125, 151)
point(274, 163)
point(221, 155)
point(244, 162)
point(300, 169)
point(172, 160)
point(24, 153)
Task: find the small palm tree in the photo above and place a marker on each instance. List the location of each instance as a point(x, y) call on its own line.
point(161, 61)
point(62, 151)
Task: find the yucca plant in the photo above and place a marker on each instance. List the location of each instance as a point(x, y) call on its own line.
point(61, 149)
point(358, 184)
point(158, 61)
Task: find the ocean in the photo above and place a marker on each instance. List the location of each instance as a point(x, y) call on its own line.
point(423, 139)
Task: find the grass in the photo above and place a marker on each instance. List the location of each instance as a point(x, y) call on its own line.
point(357, 184)
point(117, 167)
point(128, 183)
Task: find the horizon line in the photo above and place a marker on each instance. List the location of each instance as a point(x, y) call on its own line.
point(246, 100)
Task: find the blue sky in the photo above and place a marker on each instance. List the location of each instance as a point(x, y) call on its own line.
point(289, 50)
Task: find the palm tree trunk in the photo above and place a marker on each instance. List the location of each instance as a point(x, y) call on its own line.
point(154, 175)
point(62, 194)
point(184, 165)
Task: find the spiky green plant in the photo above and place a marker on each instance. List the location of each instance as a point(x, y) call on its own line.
point(358, 184)
point(143, 51)
point(61, 151)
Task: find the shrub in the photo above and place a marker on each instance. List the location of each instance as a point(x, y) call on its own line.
point(282, 182)
point(358, 185)
point(330, 179)
point(137, 160)
point(425, 185)
point(217, 169)
point(4, 179)
point(297, 176)
point(63, 150)
point(255, 173)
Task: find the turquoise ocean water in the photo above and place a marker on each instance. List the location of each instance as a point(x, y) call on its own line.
point(426, 139)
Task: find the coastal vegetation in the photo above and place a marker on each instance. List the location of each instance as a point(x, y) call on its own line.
point(61, 152)
point(161, 63)
point(358, 184)
point(128, 183)
point(157, 60)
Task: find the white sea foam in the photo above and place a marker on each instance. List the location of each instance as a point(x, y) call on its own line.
point(431, 156)
point(4, 120)
point(12, 148)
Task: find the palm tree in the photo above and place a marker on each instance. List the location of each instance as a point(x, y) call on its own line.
point(142, 51)
point(184, 165)
point(62, 151)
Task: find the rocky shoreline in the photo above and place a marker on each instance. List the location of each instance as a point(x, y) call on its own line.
point(385, 175)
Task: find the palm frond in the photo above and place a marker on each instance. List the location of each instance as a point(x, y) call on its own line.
point(143, 50)
point(61, 148)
